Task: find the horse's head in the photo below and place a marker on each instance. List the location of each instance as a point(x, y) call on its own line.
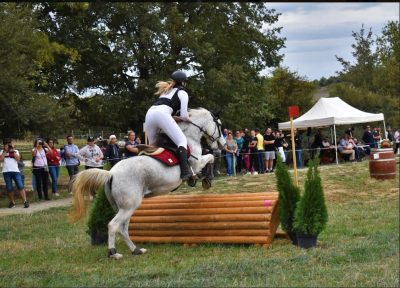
point(221, 140)
point(209, 124)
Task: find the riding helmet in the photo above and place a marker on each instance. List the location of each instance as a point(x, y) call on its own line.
point(179, 76)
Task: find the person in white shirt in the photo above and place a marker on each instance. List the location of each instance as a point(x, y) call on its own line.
point(41, 168)
point(10, 158)
point(91, 154)
point(162, 115)
point(396, 140)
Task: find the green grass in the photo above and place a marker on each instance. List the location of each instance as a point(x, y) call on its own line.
point(359, 248)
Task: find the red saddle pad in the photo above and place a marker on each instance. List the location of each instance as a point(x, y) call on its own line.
point(168, 157)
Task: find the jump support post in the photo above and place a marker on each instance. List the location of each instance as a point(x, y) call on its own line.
point(240, 218)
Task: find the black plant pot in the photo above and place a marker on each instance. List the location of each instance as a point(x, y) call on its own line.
point(293, 237)
point(98, 238)
point(306, 241)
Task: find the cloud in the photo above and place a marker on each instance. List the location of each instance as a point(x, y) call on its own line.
point(316, 32)
point(334, 19)
point(313, 45)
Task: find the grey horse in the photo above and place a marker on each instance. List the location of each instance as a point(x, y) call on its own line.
point(132, 179)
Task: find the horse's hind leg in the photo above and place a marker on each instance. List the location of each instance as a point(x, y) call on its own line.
point(116, 224)
point(125, 235)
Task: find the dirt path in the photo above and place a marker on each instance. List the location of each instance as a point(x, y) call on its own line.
point(35, 207)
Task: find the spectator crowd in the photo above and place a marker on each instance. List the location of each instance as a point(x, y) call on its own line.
point(246, 152)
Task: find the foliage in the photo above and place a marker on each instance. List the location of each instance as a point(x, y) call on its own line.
point(24, 52)
point(100, 215)
point(361, 72)
point(289, 195)
point(371, 82)
point(388, 50)
point(96, 64)
point(311, 214)
point(368, 101)
point(286, 89)
point(125, 48)
point(326, 82)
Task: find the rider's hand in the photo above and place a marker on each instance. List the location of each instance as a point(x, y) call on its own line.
point(177, 119)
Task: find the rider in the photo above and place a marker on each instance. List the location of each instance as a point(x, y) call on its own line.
point(162, 115)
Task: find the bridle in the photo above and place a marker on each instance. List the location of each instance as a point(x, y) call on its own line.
point(216, 127)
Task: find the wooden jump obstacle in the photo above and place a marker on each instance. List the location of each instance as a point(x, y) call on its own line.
point(242, 218)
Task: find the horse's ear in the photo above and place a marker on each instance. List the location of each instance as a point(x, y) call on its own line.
point(216, 113)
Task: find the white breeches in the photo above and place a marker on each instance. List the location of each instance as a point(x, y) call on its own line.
point(282, 153)
point(158, 118)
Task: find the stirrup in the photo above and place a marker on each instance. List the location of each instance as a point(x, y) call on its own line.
point(190, 175)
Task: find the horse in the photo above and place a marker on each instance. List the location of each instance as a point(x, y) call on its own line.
point(130, 180)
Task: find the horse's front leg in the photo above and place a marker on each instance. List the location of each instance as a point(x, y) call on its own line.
point(205, 159)
point(207, 162)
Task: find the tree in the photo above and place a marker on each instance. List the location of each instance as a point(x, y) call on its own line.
point(125, 48)
point(360, 74)
point(289, 195)
point(371, 83)
point(388, 51)
point(311, 213)
point(24, 51)
point(286, 89)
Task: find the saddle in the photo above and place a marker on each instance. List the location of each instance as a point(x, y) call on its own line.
point(164, 151)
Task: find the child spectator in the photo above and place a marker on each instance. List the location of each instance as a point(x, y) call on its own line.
point(112, 153)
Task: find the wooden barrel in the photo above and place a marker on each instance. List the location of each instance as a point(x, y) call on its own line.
point(382, 164)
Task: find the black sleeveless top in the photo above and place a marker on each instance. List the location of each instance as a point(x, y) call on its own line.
point(174, 102)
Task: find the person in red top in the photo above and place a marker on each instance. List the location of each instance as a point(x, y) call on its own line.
point(53, 161)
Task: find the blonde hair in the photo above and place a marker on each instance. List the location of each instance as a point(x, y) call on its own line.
point(164, 87)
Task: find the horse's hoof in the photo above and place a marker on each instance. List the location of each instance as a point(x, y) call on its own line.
point(112, 253)
point(138, 251)
point(191, 182)
point(206, 184)
point(116, 256)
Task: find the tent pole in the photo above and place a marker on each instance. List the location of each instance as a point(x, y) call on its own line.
point(334, 131)
point(384, 128)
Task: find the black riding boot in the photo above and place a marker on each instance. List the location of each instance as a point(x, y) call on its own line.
point(183, 162)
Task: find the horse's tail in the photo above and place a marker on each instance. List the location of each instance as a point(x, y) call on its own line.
point(83, 183)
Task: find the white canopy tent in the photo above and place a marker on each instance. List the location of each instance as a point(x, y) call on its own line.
point(332, 111)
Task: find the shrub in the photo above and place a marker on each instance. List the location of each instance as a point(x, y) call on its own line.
point(289, 195)
point(311, 214)
point(100, 215)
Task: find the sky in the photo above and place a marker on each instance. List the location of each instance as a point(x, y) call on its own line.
point(316, 32)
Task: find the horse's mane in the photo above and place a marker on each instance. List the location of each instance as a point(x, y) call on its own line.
point(197, 115)
point(197, 112)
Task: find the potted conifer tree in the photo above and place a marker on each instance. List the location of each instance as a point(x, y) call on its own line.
point(311, 214)
point(289, 195)
point(100, 215)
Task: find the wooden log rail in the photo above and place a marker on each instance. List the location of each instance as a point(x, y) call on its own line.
point(243, 218)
